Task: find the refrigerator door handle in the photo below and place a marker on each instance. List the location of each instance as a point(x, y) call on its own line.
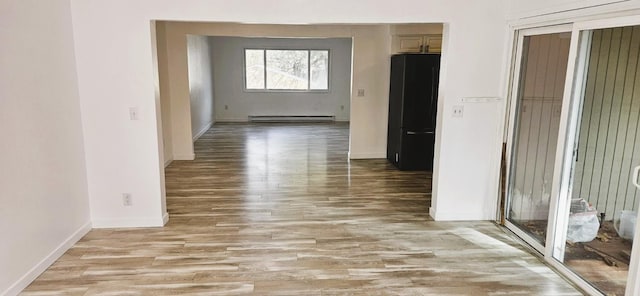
point(419, 133)
point(433, 84)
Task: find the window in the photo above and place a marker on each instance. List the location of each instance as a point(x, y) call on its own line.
point(285, 69)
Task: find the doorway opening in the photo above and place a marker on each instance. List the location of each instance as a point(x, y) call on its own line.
point(206, 79)
point(202, 67)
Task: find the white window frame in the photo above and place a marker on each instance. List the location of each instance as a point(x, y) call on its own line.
point(265, 89)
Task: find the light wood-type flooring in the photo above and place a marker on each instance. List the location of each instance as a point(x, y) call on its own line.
point(278, 209)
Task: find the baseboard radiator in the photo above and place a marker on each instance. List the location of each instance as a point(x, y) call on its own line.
point(291, 118)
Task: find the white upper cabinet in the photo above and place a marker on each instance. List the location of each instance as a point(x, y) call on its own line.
point(408, 43)
point(416, 38)
point(417, 43)
point(433, 43)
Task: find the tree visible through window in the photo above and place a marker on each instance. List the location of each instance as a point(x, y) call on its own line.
point(284, 69)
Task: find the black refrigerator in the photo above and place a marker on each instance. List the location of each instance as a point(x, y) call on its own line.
point(413, 101)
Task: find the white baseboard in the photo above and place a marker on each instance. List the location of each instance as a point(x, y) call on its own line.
point(39, 268)
point(234, 120)
point(432, 212)
point(167, 162)
point(190, 156)
point(368, 155)
point(165, 218)
point(202, 131)
point(246, 120)
point(459, 216)
point(130, 223)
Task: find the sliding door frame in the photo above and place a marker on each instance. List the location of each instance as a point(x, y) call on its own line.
point(569, 120)
point(514, 93)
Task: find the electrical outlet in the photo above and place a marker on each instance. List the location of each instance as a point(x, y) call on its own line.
point(360, 92)
point(127, 200)
point(458, 110)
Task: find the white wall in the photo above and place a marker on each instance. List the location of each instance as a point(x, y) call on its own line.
point(416, 29)
point(162, 57)
point(200, 84)
point(527, 8)
point(233, 103)
point(175, 96)
point(116, 71)
point(43, 188)
point(534, 11)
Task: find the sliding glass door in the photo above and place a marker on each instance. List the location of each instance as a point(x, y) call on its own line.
point(534, 133)
point(599, 205)
point(573, 153)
